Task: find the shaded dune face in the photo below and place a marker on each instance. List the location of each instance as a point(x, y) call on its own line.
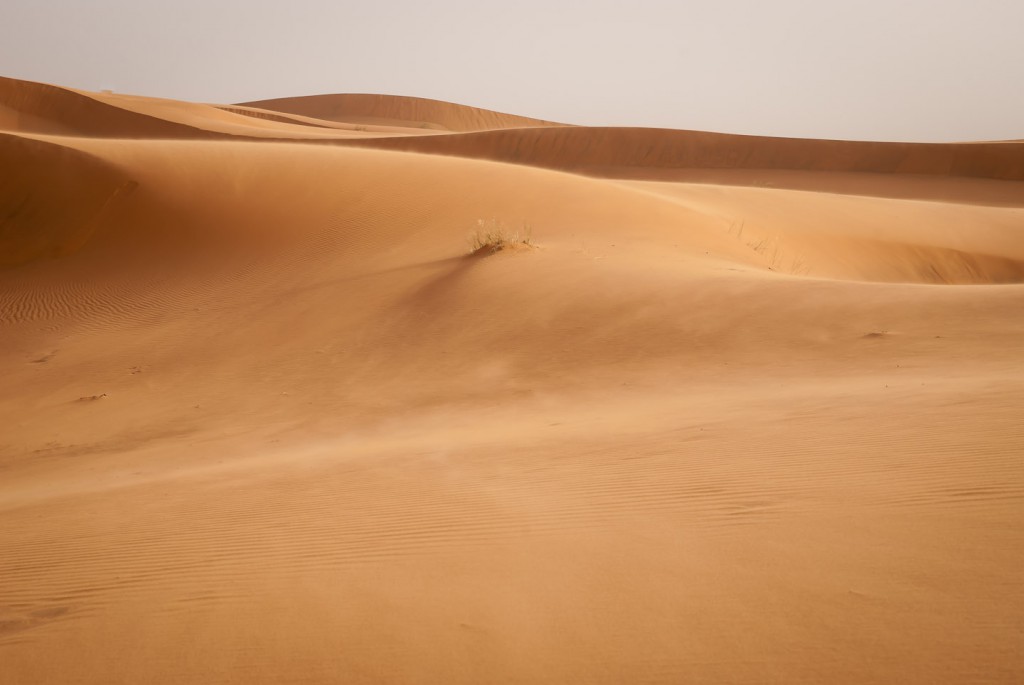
point(379, 389)
point(53, 200)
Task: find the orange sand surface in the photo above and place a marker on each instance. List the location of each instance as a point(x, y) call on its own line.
point(724, 409)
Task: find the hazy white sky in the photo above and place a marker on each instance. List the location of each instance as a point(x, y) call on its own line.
point(870, 69)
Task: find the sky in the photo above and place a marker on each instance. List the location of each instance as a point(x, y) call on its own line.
point(914, 70)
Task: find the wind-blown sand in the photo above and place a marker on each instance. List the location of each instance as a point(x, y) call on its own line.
point(746, 410)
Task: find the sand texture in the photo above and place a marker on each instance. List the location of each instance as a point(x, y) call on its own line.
point(723, 409)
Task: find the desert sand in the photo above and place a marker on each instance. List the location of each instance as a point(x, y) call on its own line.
point(726, 409)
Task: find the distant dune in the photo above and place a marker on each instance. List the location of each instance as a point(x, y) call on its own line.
point(606, 151)
point(365, 388)
point(396, 110)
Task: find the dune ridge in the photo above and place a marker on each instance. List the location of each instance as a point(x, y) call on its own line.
point(606, 151)
point(722, 409)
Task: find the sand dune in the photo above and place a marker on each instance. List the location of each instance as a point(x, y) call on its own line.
point(41, 108)
point(267, 114)
point(268, 418)
point(396, 110)
point(38, 108)
point(614, 151)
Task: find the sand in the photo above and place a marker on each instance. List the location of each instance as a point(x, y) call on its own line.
point(728, 410)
